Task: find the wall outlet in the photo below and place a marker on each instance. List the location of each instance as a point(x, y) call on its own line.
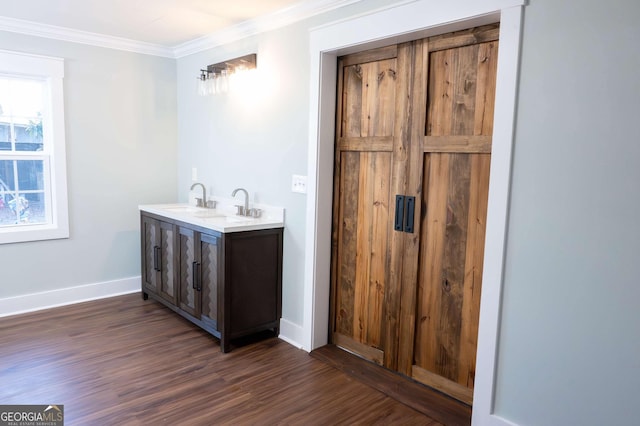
point(194, 174)
point(299, 184)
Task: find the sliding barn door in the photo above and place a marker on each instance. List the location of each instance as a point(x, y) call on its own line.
point(414, 120)
point(455, 183)
point(369, 169)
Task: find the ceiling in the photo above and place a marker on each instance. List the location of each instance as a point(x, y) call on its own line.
point(166, 23)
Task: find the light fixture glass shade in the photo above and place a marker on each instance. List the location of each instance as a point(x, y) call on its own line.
point(220, 77)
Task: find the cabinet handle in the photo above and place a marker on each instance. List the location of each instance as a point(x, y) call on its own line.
point(194, 271)
point(199, 275)
point(156, 258)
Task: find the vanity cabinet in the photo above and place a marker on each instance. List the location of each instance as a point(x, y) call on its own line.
point(229, 284)
point(158, 259)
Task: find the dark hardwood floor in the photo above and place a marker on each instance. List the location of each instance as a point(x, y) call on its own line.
point(125, 361)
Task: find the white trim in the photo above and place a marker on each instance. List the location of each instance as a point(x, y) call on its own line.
point(400, 23)
point(83, 37)
point(268, 22)
point(271, 21)
point(67, 296)
point(498, 208)
point(291, 333)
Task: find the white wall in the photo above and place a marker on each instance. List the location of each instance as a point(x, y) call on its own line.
point(256, 140)
point(570, 341)
point(121, 134)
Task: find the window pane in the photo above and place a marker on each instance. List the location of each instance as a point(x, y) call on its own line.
point(21, 104)
point(34, 211)
point(25, 208)
point(29, 137)
point(5, 136)
point(30, 175)
point(24, 204)
point(8, 216)
point(7, 181)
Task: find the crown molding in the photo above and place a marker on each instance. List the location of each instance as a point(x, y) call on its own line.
point(271, 21)
point(84, 37)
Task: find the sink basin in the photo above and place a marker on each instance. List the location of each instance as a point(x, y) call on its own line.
point(181, 209)
point(229, 219)
point(236, 219)
point(193, 211)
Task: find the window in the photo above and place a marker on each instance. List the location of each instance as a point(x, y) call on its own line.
point(33, 193)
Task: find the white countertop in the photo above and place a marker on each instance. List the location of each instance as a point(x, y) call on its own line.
point(222, 218)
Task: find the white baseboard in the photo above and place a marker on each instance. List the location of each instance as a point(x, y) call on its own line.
point(291, 333)
point(67, 296)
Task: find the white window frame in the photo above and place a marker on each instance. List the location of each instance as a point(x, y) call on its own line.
point(51, 70)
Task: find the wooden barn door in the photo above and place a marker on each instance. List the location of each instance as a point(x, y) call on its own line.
point(456, 145)
point(416, 123)
point(370, 165)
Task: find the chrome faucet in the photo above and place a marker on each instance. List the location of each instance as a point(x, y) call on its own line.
point(201, 202)
point(242, 210)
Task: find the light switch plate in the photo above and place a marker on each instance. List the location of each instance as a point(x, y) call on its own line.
point(299, 184)
point(194, 174)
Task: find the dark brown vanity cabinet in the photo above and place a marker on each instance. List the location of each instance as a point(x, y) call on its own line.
point(158, 260)
point(198, 255)
point(229, 284)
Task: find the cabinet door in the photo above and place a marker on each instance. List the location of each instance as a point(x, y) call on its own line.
point(189, 259)
point(209, 275)
point(150, 254)
point(158, 258)
point(167, 274)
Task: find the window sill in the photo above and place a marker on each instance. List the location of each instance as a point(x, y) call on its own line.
point(23, 234)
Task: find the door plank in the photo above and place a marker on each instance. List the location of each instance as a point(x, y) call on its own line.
point(378, 98)
point(363, 247)
point(379, 242)
point(465, 37)
point(477, 217)
point(440, 94)
point(418, 89)
point(348, 219)
point(486, 88)
point(352, 101)
point(400, 163)
point(375, 143)
point(438, 382)
point(431, 258)
point(381, 53)
point(450, 284)
point(453, 75)
point(458, 143)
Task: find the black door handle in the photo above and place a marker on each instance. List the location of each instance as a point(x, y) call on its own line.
point(405, 213)
point(409, 214)
point(399, 219)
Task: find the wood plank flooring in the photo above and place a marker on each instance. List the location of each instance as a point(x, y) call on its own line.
point(125, 361)
point(428, 401)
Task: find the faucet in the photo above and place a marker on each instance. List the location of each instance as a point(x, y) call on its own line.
point(242, 211)
point(201, 202)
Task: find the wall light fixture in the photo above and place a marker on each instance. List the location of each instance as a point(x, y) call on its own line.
point(216, 77)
